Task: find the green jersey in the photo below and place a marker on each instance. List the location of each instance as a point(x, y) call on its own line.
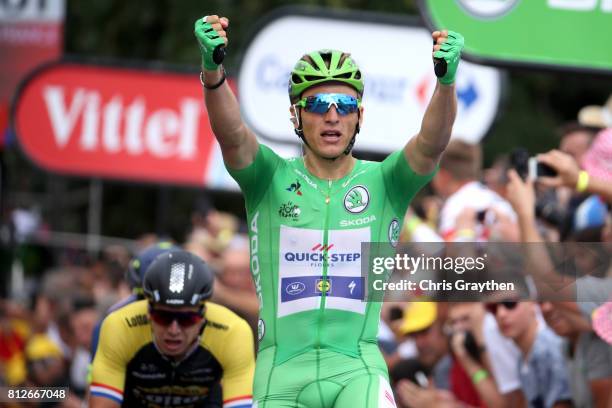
point(305, 240)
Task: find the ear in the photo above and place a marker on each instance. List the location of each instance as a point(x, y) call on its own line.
point(360, 116)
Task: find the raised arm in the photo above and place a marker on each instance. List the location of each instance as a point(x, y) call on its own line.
point(539, 265)
point(570, 175)
point(238, 143)
point(424, 150)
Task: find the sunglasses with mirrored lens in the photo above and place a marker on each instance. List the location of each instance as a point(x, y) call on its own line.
point(507, 304)
point(321, 103)
point(166, 317)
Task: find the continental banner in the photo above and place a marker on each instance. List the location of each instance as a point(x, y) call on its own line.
point(562, 34)
point(394, 55)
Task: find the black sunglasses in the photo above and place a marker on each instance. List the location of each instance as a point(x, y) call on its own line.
point(166, 317)
point(507, 304)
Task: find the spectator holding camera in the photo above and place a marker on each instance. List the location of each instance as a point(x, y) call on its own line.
point(589, 290)
point(421, 323)
point(594, 289)
point(470, 378)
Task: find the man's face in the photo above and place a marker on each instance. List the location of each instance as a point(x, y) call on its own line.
point(431, 344)
point(175, 329)
point(83, 323)
point(47, 371)
point(328, 134)
point(464, 316)
point(576, 144)
point(556, 320)
point(236, 269)
point(513, 317)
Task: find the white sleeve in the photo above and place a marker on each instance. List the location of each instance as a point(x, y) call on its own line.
point(504, 356)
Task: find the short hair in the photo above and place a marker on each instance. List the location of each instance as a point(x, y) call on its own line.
point(573, 127)
point(463, 160)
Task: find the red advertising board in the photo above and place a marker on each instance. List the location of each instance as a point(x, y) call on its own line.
point(31, 33)
point(116, 123)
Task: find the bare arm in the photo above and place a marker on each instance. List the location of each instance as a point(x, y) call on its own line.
point(101, 402)
point(238, 143)
point(568, 172)
point(486, 388)
point(548, 281)
point(563, 404)
point(601, 390)
point(243, 302)
point(483, 382)
point(515, 399)
point(424, 150)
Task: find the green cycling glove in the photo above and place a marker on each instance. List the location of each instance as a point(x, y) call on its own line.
point(208, 40)
point(450, 52)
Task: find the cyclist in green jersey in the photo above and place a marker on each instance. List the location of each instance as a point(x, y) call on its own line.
point(308, 216)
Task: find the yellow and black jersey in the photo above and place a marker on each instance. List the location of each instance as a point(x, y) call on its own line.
point(130, 370)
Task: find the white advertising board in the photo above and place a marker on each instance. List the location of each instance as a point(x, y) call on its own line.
point(397, 67)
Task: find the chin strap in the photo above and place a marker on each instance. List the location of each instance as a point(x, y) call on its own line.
point(300, 132)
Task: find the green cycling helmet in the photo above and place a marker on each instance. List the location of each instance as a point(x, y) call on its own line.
point(323, 66)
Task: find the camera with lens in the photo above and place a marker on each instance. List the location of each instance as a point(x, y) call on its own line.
point(472, 347)
point(527, 166)
point(469, 343)
point(547, 205)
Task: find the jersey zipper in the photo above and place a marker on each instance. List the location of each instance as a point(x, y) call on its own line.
point(324, 283)
point(168, 399)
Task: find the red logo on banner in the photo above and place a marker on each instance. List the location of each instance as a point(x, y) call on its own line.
point(116, 123)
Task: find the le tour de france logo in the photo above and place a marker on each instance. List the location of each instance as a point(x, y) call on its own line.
point(488, 8)
point(356, 199)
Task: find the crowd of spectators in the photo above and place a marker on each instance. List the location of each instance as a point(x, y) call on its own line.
point(546, 342)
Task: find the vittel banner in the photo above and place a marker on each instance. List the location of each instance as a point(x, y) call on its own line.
point(118, 123)
point(394, 55)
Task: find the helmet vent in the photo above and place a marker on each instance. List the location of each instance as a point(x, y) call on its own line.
point(296, 79)
point(358, 75)
point(326, 58)
point(346, 75)
point(311, 77)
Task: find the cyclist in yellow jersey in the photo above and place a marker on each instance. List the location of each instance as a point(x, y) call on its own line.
point(174, 349)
